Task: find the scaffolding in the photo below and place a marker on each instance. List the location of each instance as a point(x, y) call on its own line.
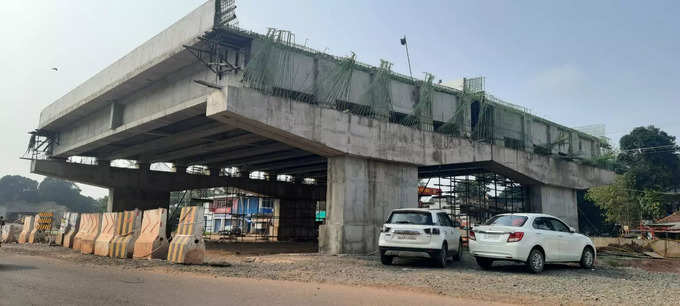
point(472, 199)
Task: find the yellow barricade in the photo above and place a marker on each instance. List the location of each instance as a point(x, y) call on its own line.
point(42, 225)
point(10, 233)
point(123, 243)
point(74, 225)
point(26, 230)
point(92, 231)
point(187, 245)
point(110, 224)
point(152, 242)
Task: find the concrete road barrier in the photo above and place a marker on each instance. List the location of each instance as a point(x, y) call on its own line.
point(111, 224)
point(26, 230)
point(92, 231)
point(187, 245)
point(123, 243)
point(41, 227)
point(152, 242)
point(74, 225)
point(10, 233)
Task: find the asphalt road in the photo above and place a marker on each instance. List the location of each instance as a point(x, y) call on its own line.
point(32, 280)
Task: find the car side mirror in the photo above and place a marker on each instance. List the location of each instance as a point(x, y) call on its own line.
point(572, 230)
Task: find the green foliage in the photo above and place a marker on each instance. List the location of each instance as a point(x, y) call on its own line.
point(648, 166)
point(650, 160)
point(18, 188)
point(652, 204)
point(616, 200)
point(15, 188)
point(102, 203)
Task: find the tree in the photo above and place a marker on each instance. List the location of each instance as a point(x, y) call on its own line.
point(18, 188)
point(102, 203)
point(617, 201)
point(67, 194)
point(650, 159)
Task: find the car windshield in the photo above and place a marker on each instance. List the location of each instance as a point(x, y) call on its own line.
point(410, 217)
point(507, 220)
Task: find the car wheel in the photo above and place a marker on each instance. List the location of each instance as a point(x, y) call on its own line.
point(385, 259)
point(459, 253)
point(439, 258)
point(536, 261)
point(484, 263)
point(587, 258)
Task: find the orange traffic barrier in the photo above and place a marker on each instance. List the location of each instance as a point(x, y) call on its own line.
point(10, 233)
point(123, 243)
point(85, 224)
point(152, 242)
point(41, 226)
point(26, 230)
point(108, 229)
point(92, 231)
point(187, 245)
point(74, 224)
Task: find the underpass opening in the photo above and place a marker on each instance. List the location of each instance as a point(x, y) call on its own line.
point(471, 199)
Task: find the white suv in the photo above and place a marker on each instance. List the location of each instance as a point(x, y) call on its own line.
point(530, 238)
point(419, 232)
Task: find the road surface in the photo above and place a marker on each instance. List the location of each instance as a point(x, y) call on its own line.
point(33, 280)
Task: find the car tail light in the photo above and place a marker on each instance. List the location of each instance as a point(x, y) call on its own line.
point(427, 231)
point(471, 235)
point(385, 229)
point(516, 236)
point(435, 231)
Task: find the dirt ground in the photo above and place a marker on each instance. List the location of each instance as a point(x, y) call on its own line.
point(611, 282)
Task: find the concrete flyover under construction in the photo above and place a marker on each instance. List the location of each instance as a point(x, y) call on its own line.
point(205, 93)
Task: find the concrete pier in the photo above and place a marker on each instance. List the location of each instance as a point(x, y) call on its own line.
point(360, 195)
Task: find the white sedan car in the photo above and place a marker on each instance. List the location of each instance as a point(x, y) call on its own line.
point(420, 232)
point(534, 239)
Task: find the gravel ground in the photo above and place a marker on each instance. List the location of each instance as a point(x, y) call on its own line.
point(510, 283)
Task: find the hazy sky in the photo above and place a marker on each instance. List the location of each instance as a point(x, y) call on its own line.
point(575, 62)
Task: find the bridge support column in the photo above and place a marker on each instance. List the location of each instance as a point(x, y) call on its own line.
point(360, 194)
point(121, 199)
point(557, 201)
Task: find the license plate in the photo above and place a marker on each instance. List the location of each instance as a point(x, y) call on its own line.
point(491, 236)
point(406, 237)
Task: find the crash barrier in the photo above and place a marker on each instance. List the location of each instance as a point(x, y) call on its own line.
point(63, 228)
point(187, 245)
point(73, 223)
point(123, 243)
point(111, 222)
point(152, 242)
point(42, 227)
point(26, 230)
point(10, 233)
point(94, 222)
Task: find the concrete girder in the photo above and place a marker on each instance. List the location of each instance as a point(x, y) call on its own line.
point(170, 140)
point(329, 132)
point(260, 159)
point(304, 169)
point(202, 149)
point(112, 177)
point(188, 109)
point(224, 158)
point(287, 164)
